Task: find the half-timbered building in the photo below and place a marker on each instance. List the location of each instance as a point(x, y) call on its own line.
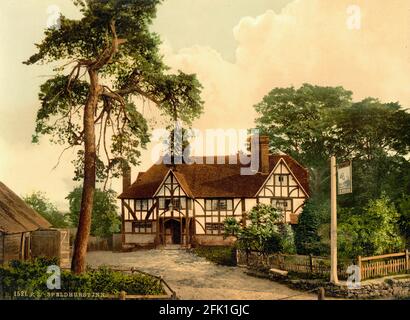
point(187, 203)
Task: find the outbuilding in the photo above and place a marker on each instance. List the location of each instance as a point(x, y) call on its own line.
point(17, 223)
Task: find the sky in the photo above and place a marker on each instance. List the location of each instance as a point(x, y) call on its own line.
point(239, 49)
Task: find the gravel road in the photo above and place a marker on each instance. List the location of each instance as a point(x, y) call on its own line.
point(195, 278)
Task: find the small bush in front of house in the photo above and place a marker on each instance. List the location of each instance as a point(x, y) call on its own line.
point(31, 277)
point(219, 254)
point(266, 232)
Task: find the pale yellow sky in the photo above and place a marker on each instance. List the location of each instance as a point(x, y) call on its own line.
point(240, 49)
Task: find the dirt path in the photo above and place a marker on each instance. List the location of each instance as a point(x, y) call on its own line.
point(193, 277)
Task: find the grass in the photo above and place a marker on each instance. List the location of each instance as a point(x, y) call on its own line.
point(218, 254)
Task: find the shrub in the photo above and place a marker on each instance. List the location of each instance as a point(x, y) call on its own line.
point(266, 233)
point(219, 254)
point(31, 277)
point(375, 231)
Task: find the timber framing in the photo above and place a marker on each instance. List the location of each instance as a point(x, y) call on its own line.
point(186, 204)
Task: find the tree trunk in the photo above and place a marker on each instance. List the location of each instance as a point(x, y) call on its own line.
point(84, 225)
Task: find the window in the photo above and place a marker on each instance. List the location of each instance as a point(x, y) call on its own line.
point(219, 205)
point(141, 205)
point(214, 227)
point(282, 204)
point(177, 203)
point(142, 226)
point(281, 179)
point(222, 205)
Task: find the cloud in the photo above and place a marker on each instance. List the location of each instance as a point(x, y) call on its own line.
point(308, 41)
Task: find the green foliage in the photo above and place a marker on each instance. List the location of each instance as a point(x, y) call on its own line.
point(219, 254)
point(266, 233)
point(287, 238)
point(372, 232)
point(299, 122)
point(31, 276)
point(113, 40)
point(308, 239)
point(40, 203)
point(404, 221)
point(312, 123)
point(231, 227)
point(105, 220)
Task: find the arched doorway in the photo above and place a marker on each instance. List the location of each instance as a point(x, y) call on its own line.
point(172, 228)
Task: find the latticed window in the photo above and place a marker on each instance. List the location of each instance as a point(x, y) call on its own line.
point(219, 204)
point(282, 204)
point(141, 204)
point(177, 203)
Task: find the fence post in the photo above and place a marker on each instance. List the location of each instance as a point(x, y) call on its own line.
point(311, 263)
point(407, 259)
point(359, 263)
point(122, 295)
point(321, 294)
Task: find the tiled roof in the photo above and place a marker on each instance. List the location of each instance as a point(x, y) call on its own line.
point(210, 180)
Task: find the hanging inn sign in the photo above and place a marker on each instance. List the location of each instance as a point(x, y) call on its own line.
point(344, 178)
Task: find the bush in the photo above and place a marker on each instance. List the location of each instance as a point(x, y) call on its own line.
point(373, 232)
point(219, 254)
point(31, 277)
point(266, 233)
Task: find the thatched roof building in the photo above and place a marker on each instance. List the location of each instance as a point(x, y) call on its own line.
point(16, 216)
point(17, 221)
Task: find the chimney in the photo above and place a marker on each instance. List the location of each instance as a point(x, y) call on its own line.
point(264, 154)
point(126, 177)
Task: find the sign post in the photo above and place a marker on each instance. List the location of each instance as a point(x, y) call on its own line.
point(344, 178)
point(340, 183)
point(333, 222)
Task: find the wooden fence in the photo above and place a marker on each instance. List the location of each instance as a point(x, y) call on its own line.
point(99, 244)
point(371, 267)
point(170, 294)
point(383, 265)
point(317, 266)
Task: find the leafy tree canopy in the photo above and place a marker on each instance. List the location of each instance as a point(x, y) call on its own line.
point(113, 40)
point(312, 123)
point(105, 219)
point(40, 203)
point(109, 65)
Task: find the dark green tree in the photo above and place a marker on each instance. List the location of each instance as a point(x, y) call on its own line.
point(312, 123)
point(105, 220)
point(40, 203)
point(110, 62)
point(404, 220)
point(315, 215)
